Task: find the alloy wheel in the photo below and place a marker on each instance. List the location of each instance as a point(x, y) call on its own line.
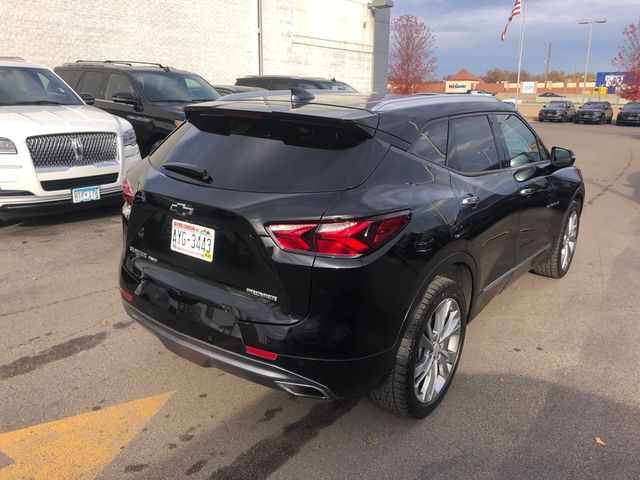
point(438, 351)
point(569, 239)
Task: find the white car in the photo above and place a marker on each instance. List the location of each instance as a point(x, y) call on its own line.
point(55, 150)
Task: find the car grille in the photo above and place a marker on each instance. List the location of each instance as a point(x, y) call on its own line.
point(73, 149)
point(69, 183)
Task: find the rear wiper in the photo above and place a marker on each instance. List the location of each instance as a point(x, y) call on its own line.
point(189, 170)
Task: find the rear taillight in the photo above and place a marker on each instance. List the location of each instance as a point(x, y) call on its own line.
point(347, 239)
point(127, 192)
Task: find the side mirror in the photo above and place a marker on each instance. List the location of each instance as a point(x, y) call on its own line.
point(87, 98)
point(126, 98)
point(562, 157)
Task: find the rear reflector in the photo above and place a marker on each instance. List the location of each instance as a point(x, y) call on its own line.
point(261, 353)
point(126, 295)
point(348, 239)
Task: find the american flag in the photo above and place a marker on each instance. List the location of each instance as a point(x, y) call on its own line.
point(514, 11)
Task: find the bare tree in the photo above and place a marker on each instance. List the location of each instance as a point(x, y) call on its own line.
point(628, 59)
point(412, 59)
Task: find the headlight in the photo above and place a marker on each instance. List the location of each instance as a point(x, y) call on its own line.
point(7, 146)
point(129, 138)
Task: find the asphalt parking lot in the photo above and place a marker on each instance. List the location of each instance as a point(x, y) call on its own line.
point(548, 366)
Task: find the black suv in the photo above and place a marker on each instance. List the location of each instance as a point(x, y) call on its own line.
point(629, 114)
point(328, 247)
point(594, 112)
point(557, 111)
point(149, 95)
point(279, 82)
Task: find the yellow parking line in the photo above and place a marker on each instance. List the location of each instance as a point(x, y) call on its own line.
point(76, 447)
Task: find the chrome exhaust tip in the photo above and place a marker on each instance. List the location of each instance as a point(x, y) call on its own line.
point(302, 390)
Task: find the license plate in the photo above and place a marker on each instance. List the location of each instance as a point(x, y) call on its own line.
point(85, 194)
point(193, 240)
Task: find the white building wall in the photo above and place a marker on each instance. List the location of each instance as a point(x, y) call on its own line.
point(216, 38)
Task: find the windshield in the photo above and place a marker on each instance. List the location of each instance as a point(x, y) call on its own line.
point(632, 106)
point(594, 105)
point(34, 86)
point(174, 87)
point(557, 105)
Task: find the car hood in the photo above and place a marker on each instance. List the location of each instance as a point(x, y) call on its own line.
point(592, 110)
point(554, 109)
point(23, 121)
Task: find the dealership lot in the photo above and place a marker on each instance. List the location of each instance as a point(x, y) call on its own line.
point(547, 367)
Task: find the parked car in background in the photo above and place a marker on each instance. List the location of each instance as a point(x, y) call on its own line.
point(347, 244)
point(149, 95)
point(284, 82)
point(55, 151)
point(550, 94)
point(557, 111)
point(229, 89)
point(481, 92)
point(629, 115)
point(594, 112)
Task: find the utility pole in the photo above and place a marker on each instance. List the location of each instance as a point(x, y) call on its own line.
point(546, 72)
point(586, 65)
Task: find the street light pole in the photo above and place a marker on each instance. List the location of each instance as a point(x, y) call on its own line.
point(586, 65)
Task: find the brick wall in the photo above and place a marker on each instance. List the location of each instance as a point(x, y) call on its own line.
point(217, 39)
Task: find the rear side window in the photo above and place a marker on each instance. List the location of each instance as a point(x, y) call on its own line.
point(472, 148)
point(432, 142)
point(93, 82)
point(522, 144)
point(254, 153)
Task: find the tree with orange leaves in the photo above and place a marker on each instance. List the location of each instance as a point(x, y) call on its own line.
point(628, 59)
point(412, 58)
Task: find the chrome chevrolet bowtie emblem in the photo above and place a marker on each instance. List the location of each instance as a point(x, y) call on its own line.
point(77, 148)
point(181, 209)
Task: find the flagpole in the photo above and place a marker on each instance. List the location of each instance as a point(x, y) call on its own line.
point(524, 10)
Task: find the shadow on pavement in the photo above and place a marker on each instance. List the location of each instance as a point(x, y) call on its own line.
point(489, 426)
point(71, 216)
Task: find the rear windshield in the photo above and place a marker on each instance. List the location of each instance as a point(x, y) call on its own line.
point(266, 154)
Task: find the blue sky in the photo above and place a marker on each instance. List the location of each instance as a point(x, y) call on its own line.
point(468, 32)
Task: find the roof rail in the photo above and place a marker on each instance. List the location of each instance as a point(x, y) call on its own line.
point(15, 59)
point(126, 62)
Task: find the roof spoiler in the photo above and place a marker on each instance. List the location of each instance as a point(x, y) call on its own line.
point(362, 119)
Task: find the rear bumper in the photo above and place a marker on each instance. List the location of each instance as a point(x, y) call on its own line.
point(207, 355)
point(302, 376)
point(31, 206)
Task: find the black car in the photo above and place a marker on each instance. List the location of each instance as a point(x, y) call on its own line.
point(629, 115)
point(594, 112)
point(550, 94)
point(329, 248)
point(283, 82)
point(149, 95)
point(557, 111)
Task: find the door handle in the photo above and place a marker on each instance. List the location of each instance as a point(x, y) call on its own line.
point(527, 191)
point(470, 201)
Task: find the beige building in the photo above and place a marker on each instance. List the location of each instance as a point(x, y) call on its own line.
point(220, 40)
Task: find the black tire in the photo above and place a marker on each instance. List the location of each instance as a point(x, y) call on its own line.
point(610, 120)
point(565, 118)
point(552, 267)
point(397, 393)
